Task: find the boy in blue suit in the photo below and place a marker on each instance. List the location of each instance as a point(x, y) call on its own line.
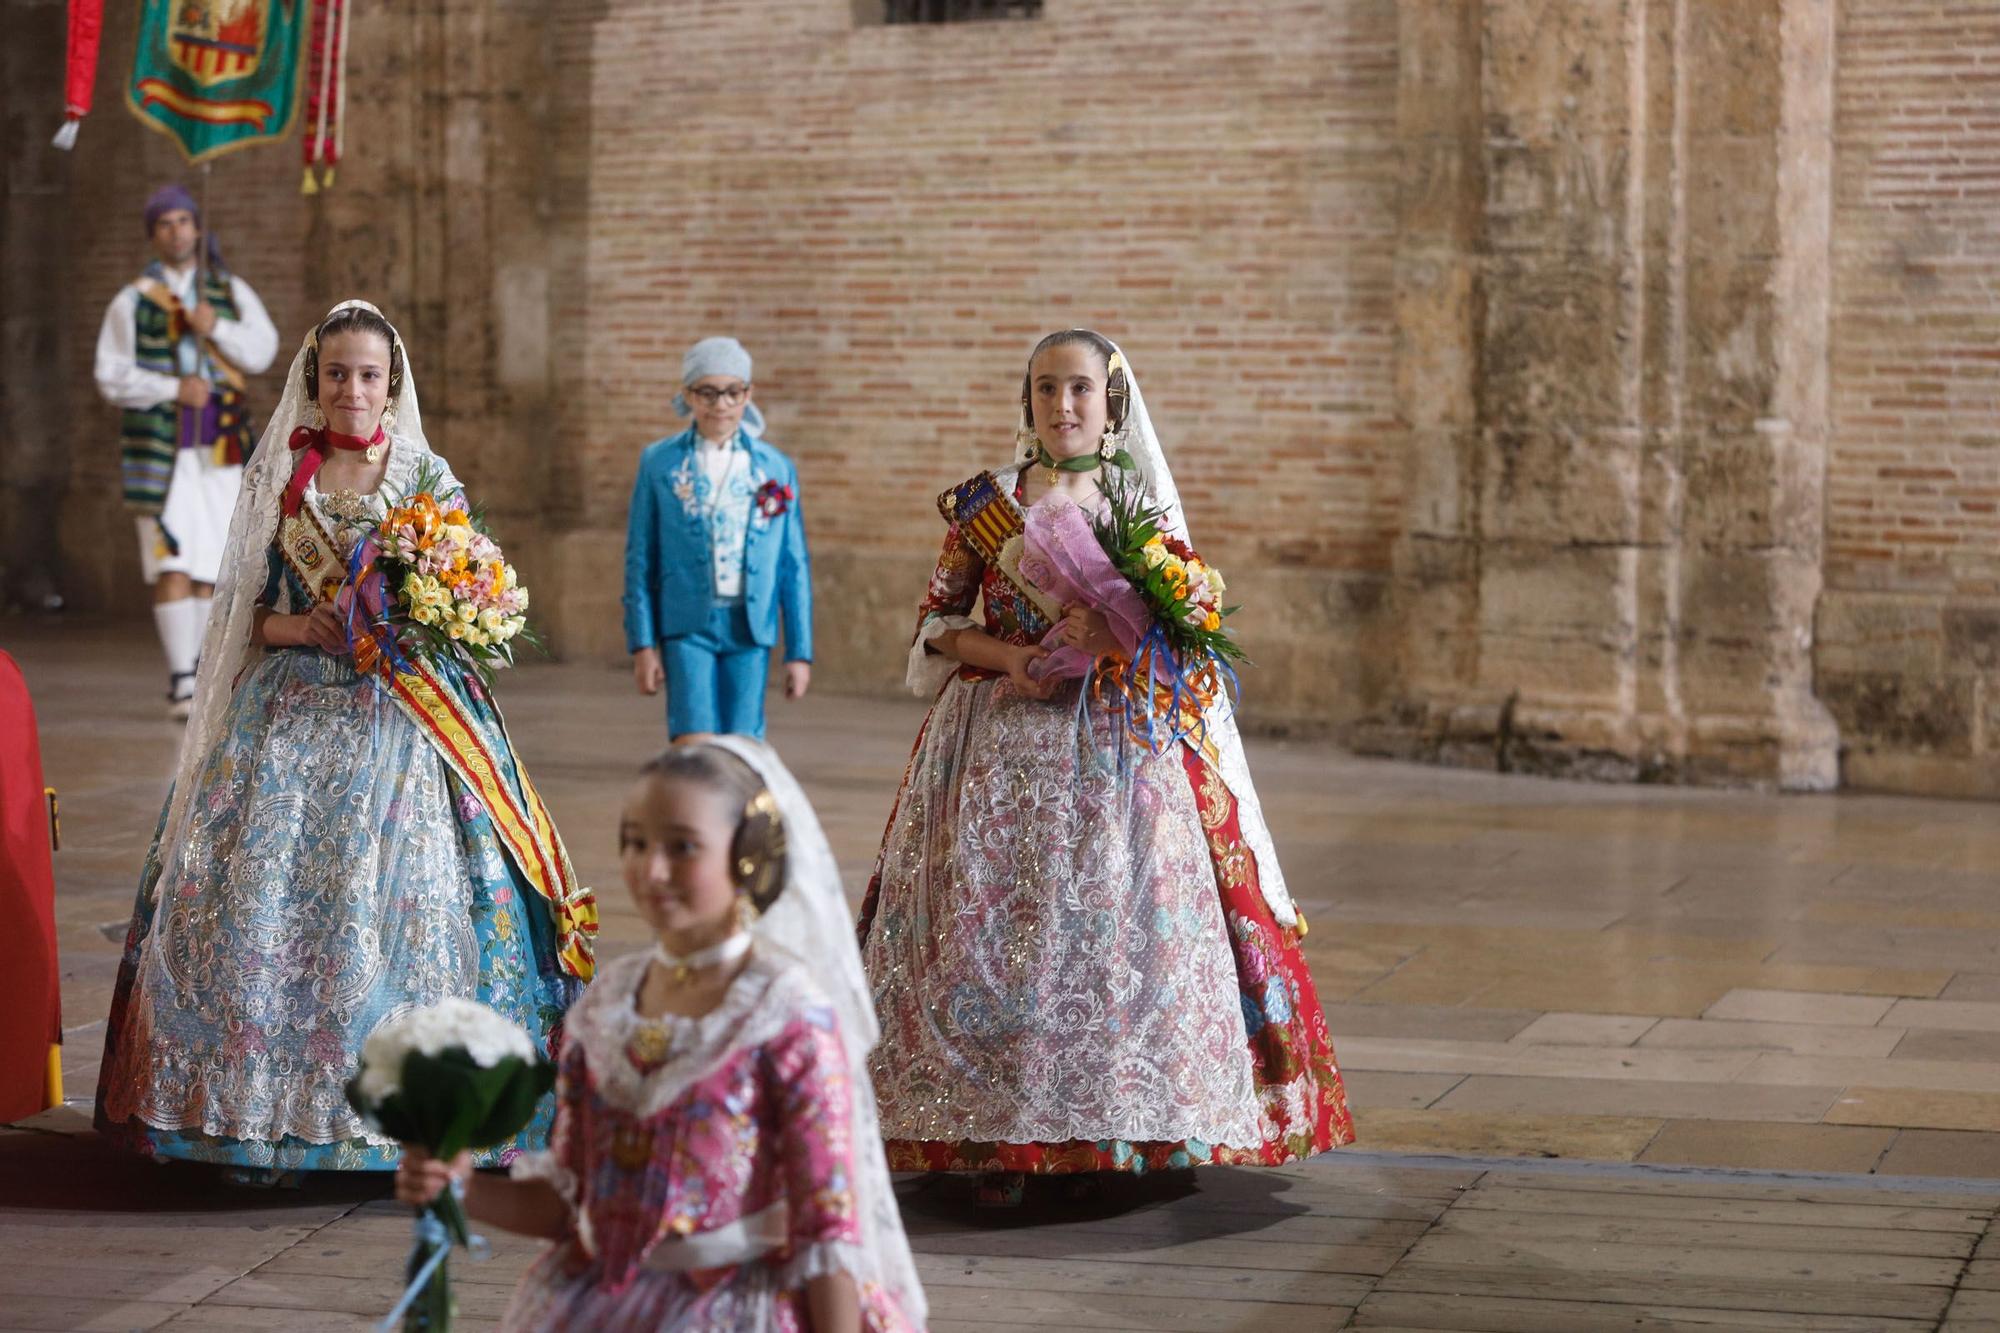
point(715, 556)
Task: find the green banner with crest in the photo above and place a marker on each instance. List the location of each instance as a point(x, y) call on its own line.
point(217, 75)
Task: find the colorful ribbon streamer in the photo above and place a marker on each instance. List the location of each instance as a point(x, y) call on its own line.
point(1162, 701)
point(326, 93)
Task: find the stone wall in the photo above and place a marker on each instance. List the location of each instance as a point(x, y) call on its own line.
point(1598, 387)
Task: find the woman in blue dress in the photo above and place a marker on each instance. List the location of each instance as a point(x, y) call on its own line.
point(333, 850)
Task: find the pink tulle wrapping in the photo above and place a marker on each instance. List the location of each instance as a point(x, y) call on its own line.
point(1060, 555)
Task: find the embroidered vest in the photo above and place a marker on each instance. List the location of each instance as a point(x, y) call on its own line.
point(151, 435)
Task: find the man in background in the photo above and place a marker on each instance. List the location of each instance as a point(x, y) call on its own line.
point(174, 352)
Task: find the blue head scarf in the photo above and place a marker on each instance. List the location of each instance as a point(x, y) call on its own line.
point(719, 356)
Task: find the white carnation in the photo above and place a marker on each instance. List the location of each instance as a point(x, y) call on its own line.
point(455, 1022)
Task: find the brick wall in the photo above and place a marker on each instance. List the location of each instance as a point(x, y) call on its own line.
point(1909, 655)
point(890, 216)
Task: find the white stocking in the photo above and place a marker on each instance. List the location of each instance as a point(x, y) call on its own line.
point(180, 632)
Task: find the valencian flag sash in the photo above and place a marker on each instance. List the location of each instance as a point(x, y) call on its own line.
point(993, 526)
point(217, 75)
point(456, 728)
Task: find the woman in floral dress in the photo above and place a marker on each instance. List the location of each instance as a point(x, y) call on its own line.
point(332, 852)
point(1083, 955)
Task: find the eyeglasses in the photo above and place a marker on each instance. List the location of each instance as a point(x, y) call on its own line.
point(710, 395)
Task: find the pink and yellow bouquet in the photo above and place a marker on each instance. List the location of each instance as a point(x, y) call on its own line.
point(1161, 601)
point(430, 581)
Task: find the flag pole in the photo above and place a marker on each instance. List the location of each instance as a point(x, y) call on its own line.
point(201, 259)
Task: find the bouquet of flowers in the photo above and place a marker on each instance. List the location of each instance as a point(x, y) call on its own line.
point(452, 1076)
point(1163, 604)
point(1183, 592)
point(430, 581)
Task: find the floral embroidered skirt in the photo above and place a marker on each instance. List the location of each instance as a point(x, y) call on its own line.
point(1072, 962)
point(335, 871)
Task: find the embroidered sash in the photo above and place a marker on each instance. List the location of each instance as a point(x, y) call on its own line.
point(520, 818)
point(992, 525)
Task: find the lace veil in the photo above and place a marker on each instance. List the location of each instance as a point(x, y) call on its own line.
point(812, 922)
point(226, 648)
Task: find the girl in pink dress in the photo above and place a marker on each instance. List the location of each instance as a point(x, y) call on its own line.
point(716, 1162)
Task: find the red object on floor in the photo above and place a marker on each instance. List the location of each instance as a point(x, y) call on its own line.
point(30, 994)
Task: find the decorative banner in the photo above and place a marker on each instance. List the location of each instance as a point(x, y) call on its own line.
point(326, 91)
point(217, 75)
point(86, 30)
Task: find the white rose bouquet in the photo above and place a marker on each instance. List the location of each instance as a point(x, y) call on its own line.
point(452, 1076)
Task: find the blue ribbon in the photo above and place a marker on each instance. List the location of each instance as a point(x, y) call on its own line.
point(385, 640)
point(1163, 667)
point(432, 1235)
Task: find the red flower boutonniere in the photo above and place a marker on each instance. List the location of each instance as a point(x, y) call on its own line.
point(773, 499)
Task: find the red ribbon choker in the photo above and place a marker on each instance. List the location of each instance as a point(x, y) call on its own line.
point(317, 444)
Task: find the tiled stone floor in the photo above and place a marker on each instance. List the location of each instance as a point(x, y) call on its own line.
point(1512, 969)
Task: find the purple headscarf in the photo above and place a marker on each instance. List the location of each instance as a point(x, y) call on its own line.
point(173, 197)
point(170, 198)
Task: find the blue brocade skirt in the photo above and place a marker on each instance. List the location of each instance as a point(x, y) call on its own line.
point(335, 872)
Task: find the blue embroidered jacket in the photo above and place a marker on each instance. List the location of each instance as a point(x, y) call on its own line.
point(669, 588)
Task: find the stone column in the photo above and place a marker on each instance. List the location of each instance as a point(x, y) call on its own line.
point(1613, 301)
point(1440, 296)
point(1756, 176)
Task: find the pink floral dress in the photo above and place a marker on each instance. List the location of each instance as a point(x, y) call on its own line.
point(707, 1163)
point(1073, 963)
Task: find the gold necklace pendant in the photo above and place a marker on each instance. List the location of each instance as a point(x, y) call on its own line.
point(650, 1045)
point(374, 452)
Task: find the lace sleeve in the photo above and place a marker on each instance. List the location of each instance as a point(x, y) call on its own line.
point(947, 605)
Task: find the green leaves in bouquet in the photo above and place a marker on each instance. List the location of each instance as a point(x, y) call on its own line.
point(430, 476)
point(1124, 526)
point(446, 1103)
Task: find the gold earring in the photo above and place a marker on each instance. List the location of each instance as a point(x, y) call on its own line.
point(1108, 446)
point(315, 418)
point(1025, 440)
point(746, 912)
